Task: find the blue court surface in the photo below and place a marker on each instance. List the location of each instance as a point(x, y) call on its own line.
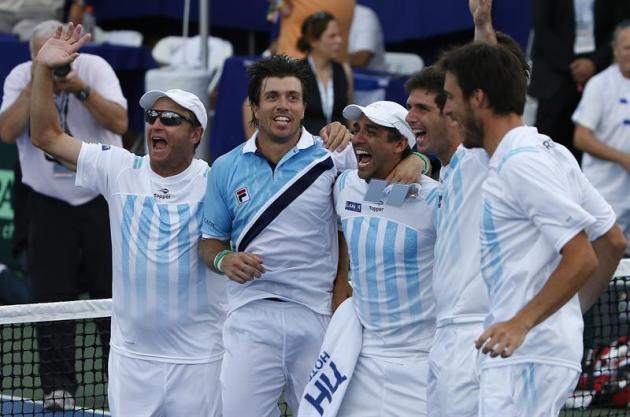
point(16, 406)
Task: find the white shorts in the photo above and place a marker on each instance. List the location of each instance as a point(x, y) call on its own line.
point(453, 387)
point(525, 390)
point(384, 388)
point(269, 345)
point(142, 388)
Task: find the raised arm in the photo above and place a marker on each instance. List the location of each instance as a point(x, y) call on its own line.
point(46, 133)
point(481, 12)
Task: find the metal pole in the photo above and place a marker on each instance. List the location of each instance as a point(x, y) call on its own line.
point(186, 18)
point(204, 14)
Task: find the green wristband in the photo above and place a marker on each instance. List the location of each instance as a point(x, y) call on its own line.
point(218, 259)
point(427, 162)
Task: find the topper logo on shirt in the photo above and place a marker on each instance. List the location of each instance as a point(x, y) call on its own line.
point(352, 206)
point(242, 196)
point(105, 147)
point(162, 194)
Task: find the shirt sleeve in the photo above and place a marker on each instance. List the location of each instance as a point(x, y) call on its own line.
point(589, 111)
point(217, 217)
point(546, 196)
point(364, 32)
point(100, 76)
point(98, 163)
point(345, 160)
point(593, 202)
point(15, 82)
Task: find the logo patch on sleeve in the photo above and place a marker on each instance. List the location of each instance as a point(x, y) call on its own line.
point(352, 206)
point(242, 196)
point(105, 147)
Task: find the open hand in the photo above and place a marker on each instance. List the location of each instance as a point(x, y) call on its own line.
point(62, 48)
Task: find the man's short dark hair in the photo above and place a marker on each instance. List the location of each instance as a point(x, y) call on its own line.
point(493, 69)
point(277, 66)
point(430, 79)
point(508, 42)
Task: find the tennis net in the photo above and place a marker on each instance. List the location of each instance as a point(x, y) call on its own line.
point(603, 389)
point(61, 341)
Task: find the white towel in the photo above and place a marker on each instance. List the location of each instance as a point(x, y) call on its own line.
point(335, 365)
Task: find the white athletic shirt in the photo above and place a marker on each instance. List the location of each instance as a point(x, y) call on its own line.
point(283, 214)
point(460, 293)
point(605, 109)
point(535, 200)
point(48, 177)
point(167, 305)
point(391, 259)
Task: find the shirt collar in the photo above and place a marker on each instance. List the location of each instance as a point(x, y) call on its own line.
point(306, 141)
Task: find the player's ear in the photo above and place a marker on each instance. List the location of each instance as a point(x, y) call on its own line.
point(479, 98)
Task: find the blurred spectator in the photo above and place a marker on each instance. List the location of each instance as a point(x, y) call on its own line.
point(571, 44)
point(366, 45)
point(69, 245)
point(602, 121)
point(329, 89)
point(21, 16)
point(294, 12)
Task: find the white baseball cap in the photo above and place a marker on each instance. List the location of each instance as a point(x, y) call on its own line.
point(383, 113)
point(183, 98)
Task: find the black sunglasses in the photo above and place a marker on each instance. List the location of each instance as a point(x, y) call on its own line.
point(167, 117)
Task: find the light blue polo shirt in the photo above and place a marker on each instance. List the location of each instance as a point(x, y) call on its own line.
point(283, 214)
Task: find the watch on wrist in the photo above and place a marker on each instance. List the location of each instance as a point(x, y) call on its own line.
point(83, 95)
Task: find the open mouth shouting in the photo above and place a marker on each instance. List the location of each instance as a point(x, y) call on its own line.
point(364, 157)
point(420, 135)
point(158, 143)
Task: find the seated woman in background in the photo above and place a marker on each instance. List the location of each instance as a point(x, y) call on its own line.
point(330, 86)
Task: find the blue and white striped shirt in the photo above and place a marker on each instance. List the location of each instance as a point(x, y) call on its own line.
point(391, 259)
point(167, 306)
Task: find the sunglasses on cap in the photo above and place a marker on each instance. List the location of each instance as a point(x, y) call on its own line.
point(167, 117)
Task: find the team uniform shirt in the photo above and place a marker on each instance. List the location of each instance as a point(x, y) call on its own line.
point(535, 200)
point(167, 305)
point(41, 173)
point(391, 255)
point(460, 293)
point(605, 109)
point(283, 214)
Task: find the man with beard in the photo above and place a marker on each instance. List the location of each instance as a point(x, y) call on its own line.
point(538, 218)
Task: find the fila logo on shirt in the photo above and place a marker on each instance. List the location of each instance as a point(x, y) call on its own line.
point(352, 206)
point(242, 195)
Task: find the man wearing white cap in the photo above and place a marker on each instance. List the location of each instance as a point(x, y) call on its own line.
point(167, 311)
point(391, 258)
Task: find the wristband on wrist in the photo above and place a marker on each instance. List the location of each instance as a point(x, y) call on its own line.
point(427, 162)
point(218, 260)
